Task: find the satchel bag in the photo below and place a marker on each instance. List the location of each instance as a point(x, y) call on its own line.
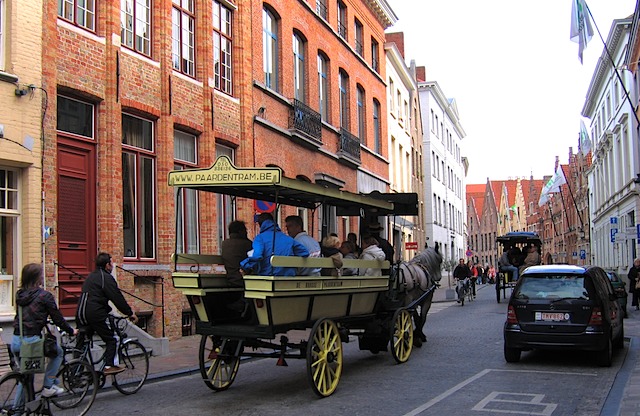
point(637, 284)
point(50, 344)
point(31, 353)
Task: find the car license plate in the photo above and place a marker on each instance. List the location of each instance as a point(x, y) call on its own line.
point(552, 316)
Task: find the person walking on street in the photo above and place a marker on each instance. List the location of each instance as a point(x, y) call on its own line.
point(37, 304)
point(93, 309)
point(634, 282)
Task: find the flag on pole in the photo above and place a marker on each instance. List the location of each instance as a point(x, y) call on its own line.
point(581, 29)
point(553, 185)
point(585, 141)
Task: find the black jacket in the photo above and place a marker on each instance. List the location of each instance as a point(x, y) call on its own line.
point(100, 288)
point(36, 305)
point(461, 271)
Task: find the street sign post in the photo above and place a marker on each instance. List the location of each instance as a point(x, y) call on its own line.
point(411, 245)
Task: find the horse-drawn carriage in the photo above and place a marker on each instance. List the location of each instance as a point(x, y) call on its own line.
point(379, 310)
point(517, 241)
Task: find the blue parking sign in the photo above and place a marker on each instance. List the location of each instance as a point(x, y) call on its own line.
point(583, 254)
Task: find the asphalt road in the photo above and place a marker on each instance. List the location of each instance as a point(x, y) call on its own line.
point(460, 370)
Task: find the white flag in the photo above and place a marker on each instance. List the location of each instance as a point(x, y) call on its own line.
point(581, 29)
point(585, 141)
point(552, 185)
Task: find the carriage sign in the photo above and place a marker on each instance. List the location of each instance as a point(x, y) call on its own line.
point(223, 172)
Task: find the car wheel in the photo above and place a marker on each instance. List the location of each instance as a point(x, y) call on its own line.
point(605, 356)
point(619, 343)
point(511, 355)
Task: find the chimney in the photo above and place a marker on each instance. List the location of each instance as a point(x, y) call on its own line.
point(398, 39)
point(421, 74)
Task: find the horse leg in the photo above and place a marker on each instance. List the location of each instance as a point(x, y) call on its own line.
point(422, 318)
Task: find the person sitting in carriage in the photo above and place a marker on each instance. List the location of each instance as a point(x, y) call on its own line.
point(371, 251)
point(505, 264)
point(348, 252)
point(331, 249)
point(271, 241)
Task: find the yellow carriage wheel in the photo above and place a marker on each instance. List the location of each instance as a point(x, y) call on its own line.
point(401, 335)
point(219, 362)
point(324, 357)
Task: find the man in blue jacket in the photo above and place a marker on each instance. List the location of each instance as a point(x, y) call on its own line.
point(272, 242)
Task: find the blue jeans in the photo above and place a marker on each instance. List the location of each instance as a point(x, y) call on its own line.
point(53, 364)
point(512, 269)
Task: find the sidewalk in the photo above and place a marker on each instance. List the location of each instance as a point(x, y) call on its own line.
point(624, 398)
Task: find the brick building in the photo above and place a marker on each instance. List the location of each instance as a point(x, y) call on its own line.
point(139, 88)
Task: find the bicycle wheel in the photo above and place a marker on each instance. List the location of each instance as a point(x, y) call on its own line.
point(11, 394)
point(134, 357)
point(80, 381)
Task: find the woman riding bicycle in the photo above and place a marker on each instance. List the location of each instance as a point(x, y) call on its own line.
point(37, 304)
point(461, 273)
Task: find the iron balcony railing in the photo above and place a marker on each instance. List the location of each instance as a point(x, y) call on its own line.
point(306, 120)
point(342, 31)
point(349, 144)
point(359, 47)
point(321, 9)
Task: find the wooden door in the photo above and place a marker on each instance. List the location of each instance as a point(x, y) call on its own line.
point(76, 219)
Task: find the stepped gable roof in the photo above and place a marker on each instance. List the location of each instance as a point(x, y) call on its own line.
point(511, 185)
point(496, 187)
point(531, 189)
point(475, 193)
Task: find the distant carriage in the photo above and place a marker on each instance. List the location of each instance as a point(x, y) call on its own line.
point(504, 280)
point(379, 310)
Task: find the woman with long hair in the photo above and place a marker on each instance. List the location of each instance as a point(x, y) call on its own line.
point(37, 304)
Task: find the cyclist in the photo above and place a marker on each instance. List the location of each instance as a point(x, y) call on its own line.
point(93, 309)
point(461, 273)
point(37, 304)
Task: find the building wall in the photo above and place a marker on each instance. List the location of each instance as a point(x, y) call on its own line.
point(444, 179)
point(614, 203)
point(20, 146)
point(404, 147)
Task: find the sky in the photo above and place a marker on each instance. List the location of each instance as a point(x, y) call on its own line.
point(514, 73)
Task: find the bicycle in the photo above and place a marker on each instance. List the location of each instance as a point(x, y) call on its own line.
point(463, 288)
point(130, 353)
point(18, 395)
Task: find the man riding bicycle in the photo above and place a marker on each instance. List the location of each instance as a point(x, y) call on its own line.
point(461, 273)
point(93, 309)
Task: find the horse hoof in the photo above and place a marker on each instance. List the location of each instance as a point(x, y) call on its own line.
point(417, 342)
point(423, 338)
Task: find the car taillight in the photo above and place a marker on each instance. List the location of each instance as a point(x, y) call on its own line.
point(596, 316)
point(511, 315)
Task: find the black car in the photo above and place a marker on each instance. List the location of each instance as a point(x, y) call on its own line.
point(620, 287)
point(563, 307)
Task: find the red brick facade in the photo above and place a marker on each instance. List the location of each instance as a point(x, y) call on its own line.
point(93, 67)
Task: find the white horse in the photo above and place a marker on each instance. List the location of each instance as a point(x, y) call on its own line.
point(413, 279)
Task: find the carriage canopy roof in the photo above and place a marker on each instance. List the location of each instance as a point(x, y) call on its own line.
point(520, 237)
point(268, 184)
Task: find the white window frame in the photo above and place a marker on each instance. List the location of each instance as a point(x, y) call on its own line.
point(136, 12)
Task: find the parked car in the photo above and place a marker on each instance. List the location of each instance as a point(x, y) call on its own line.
point(620, 287)
point(563, 307)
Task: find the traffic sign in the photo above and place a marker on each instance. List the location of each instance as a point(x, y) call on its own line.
point(411, 245)
point(264, 206)
point(613, 220)
point(614, 231)
point(469, 253)
point(638, 232)
point(583, 254)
